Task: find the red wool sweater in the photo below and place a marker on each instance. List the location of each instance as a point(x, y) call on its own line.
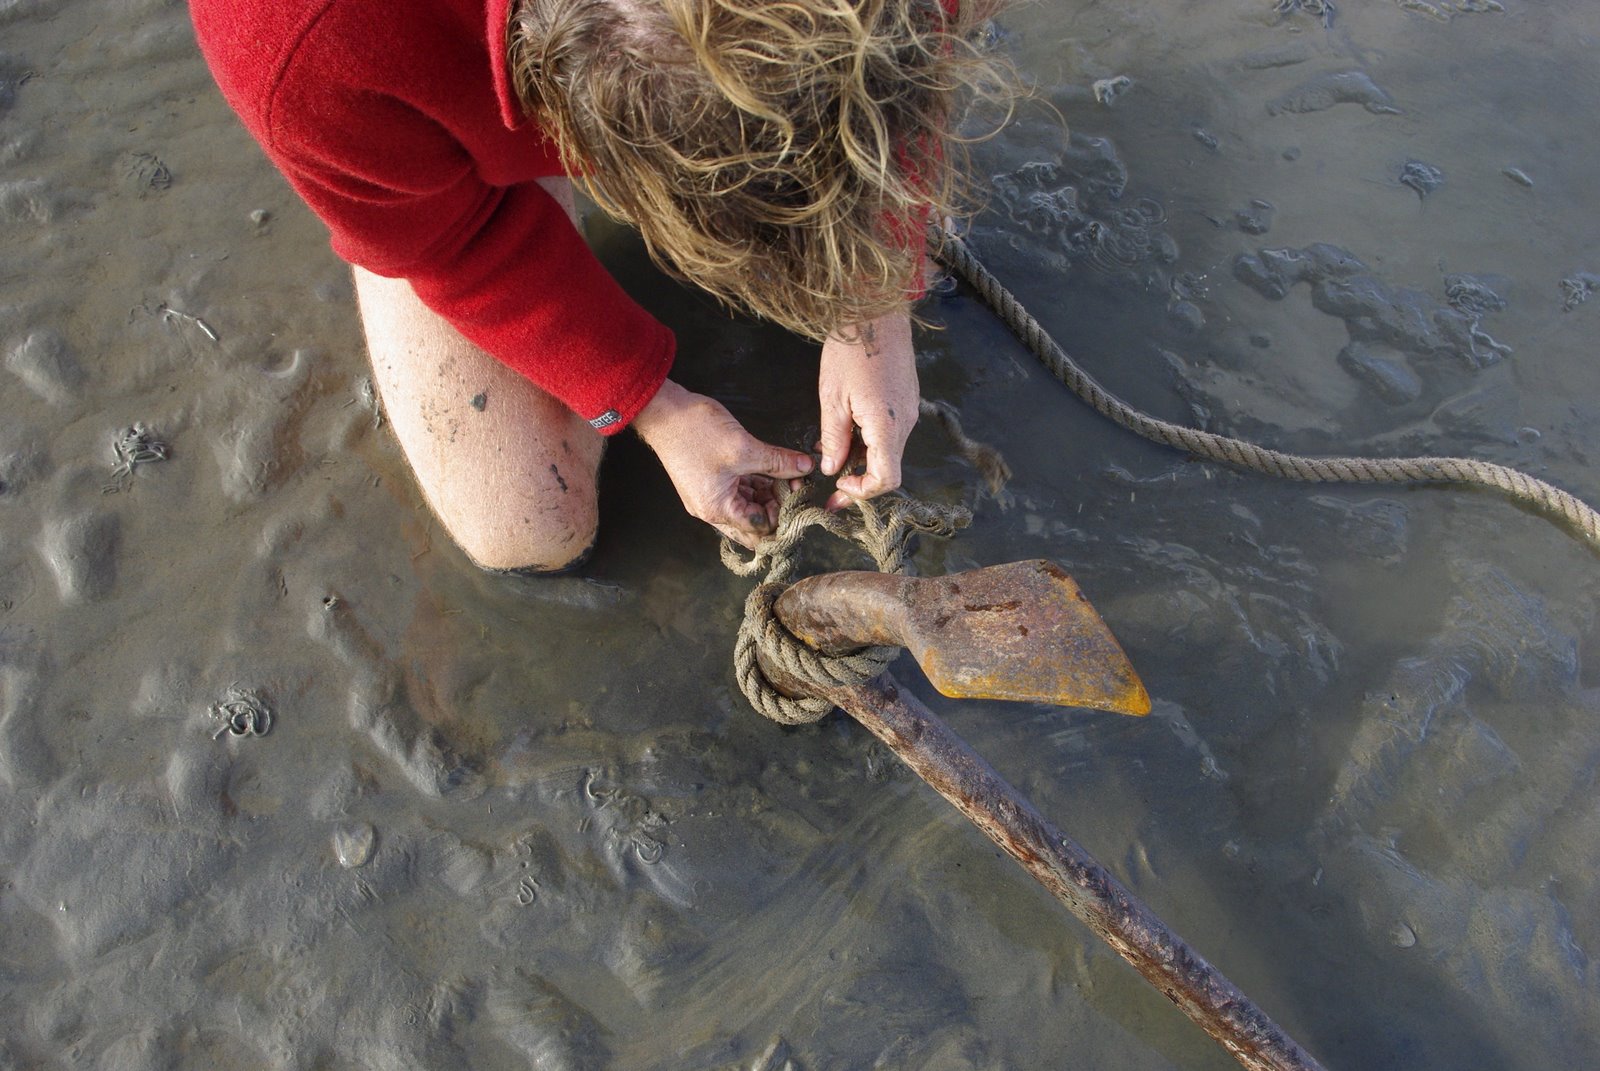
point(395, 121)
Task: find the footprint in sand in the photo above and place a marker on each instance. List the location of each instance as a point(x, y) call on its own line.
point(47, 366)
point(81, 550)
point(381, 705)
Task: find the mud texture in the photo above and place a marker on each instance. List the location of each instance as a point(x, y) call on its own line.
point(286, 783)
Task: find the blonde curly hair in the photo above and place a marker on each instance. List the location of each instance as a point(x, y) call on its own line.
point(781, 154)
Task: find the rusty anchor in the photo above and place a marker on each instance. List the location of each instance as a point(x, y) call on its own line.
point(1021, 631)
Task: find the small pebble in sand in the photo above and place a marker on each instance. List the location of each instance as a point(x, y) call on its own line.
point(1256, 219)
point(1519, 176)
point(353, 844)
point(261, 217)
point(1576, 289)
point(1107, 90)
point(1402, 936)
point(1424, 178)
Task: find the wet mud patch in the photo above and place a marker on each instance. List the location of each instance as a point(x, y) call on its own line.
point(82, 552)
point(109, 873)
point(1476, 868)
point(26, 760)
point(1330, 90)
point(27, 201)
point(384, 704)
point(47, 366)
point(14, 73)
point(497, 823)
point(1073, 211)
point(254, 424)
point(1407, 349)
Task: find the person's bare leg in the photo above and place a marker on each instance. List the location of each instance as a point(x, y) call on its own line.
point(509, 471)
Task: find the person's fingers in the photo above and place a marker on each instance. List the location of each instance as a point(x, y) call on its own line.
point(743, 518)
point(764, 459)
point(750, 510)
point(762, 493)
point(762, 490)
point(737, 535)
point(883, 467)
point(750, 517)
point(855, 465)
point(838, 431)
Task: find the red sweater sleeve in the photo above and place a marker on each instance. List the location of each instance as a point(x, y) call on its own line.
point(371, 137)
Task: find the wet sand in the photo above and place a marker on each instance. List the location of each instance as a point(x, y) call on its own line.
point(501, 824)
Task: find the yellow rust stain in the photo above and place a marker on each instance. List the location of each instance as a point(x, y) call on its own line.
point(1113, 687)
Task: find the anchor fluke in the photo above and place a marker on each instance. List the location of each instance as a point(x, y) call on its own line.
point(1021, 631)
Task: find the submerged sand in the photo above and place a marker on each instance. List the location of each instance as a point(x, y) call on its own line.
point(498, 824)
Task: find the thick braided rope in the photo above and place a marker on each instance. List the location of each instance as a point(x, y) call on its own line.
point(883, 531)
point(956, 255)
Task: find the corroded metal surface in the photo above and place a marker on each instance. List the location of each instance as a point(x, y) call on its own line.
point(1021, 631)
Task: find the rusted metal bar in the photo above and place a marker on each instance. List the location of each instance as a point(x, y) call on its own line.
point(1089, 891)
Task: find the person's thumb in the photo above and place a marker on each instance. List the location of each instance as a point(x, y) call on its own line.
point(768, 460)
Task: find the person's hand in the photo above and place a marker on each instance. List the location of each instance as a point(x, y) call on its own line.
point(868, 380)
point(725, 476)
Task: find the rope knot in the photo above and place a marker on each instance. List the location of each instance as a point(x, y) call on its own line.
point(883, 529)
point(762, 634)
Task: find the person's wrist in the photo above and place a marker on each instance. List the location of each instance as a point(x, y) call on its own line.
point(889, 332)
point(670, 400)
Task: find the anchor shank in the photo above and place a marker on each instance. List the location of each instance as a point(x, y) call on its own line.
point(847, 610)
point(1076, 878)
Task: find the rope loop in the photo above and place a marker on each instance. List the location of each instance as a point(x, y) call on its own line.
point(883, 530)
point(763, 632)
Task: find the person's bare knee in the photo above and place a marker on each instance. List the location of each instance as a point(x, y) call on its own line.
point(506, 468)
point(578, 561)
point(534, 559)
point(548, 533)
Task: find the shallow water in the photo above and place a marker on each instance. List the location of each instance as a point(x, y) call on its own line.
point(500, 824)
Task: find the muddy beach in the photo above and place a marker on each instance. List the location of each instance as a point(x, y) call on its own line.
point(285, 782)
